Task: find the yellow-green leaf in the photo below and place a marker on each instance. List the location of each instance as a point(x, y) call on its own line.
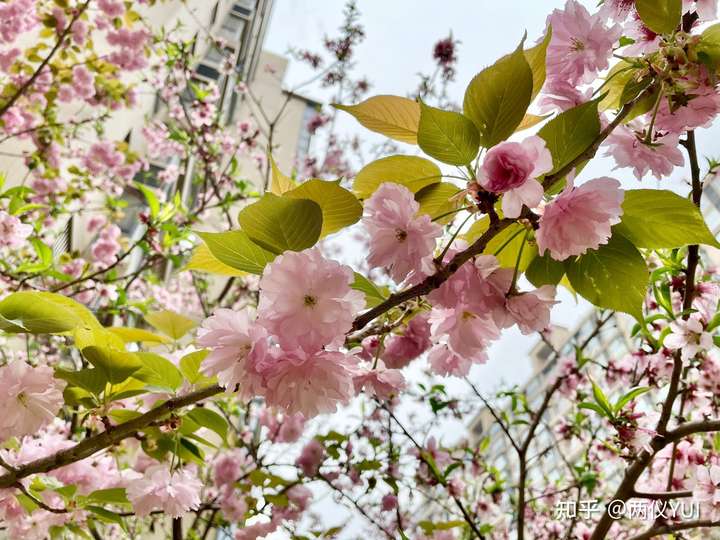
point(530, 120)
point(202, 260)
point(413, 172)
point(447, 136)
point(279, 183)
point(339, 207)
point(571, 133)
point(661, 219)
point(439, 200)
point(374, 295)
point(133, 335)
point(505, 245)
point(393, 116)
point(614, 276)
point(39, 312)
point(116, 366)
point(170, 323)
point(660, 16)
point(279, 224)
point(235, 249)
point(536, 57)
point(158, 372)
point(498, 97)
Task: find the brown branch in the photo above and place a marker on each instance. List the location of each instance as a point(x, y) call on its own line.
point(441, 479)
point(434, 281)
point(662, 495)
point(103, 440)
point(657, 530)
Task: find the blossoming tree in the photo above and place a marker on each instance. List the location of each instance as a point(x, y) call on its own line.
point(136, 403)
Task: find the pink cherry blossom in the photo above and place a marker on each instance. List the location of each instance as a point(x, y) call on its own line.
point(580, 218)
point(689, 337)
point(291, 428)
point(238, 349)
point(707, 490)
point(17, 16)
point(382, 382)
point(479, 284)
point(233, 505)
point(660, 157)
point(12, 232)
point(306, 300)
point(31, 398)
point(581, 44)
point(400, 350)
point(444, 362)
point(560, 95)
point(400, 240)
point(111, 8)
point(699, 109)
point(106, 247)
point(311, 457)
point(512, 169)
point(228, 466)
point(158, 489)
point(531, 310)
point(389, 502)
point(309, 383)
point(706, 9)
point(468, 332)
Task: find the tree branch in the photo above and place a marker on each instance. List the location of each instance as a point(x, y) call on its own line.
point(98, 442)
point(657, 530)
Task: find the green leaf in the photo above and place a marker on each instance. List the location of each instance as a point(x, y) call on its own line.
point(413, 172)
point(593, 407)
point(280, 224)
point(210, 419)
point(123, 415)
point(660, 16)
point(498, 97)
point(505, 245)
point(158, 372)
point(137, 335)
point(190, 366)
point(91, 379)
point(632, 394)
point(661, 219)
point(438, 201)
point(613, 277)
point(115, 366)
point(571, 132)
point(170, 323)
point(41, 313)
point(393, 116)
point(339, 207)
point(202, 260)
point(447, 136)
point(107, 496)
point(544, 270)
point(235, 249)
point(709, 46)
point(536, 58)
point(601, 399)
point(107, 516)
point(373, 294)
point(150, 197)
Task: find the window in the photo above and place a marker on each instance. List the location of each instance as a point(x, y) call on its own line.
point(232, 29)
